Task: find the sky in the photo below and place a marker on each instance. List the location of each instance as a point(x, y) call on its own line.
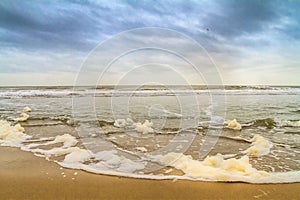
point(60, 42)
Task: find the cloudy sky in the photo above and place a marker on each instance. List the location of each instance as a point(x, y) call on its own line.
point(248, 42)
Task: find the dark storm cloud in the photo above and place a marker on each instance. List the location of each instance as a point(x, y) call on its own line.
point(82, 24)
point(239, 17)
point(29, 24)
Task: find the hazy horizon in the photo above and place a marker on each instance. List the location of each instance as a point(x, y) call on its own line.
point(107, 85)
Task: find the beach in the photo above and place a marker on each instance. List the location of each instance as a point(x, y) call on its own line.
point(55, 144)
point(25, 176)
point(149, 99)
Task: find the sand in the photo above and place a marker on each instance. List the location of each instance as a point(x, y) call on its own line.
point(25, 176)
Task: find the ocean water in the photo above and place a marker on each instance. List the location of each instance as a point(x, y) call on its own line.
point(160, 132)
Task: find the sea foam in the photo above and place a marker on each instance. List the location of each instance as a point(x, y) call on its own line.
point(23, 117)
point(229, 170)
point(11, 135)
point(259, 146)
point(143, 128)
point(233, 124)
point(26, 109)
point(114, 162)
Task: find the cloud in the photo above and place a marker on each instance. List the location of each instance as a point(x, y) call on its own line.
point(51, 36)
point(79, 25)
point(40, 25)
point(18, 61)
point(234, 18)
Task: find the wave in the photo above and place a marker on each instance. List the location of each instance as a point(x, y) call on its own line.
point(225, 168)
point(64, 150)
point(108, 124)
point(290, 123)
point(267, 122)
point(51, 121)
point(43, 124)
point(270, 123)
point(21, 92)
point(33, 93)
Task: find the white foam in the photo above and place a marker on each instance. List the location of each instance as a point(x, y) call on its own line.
point(213, 167)
point(109, 160)
point(66, 139)
point(23, 117)
point(11, 135)
point(120, 123)
point(57, 151)
point(144, 128)
point(259, 146)
point(129, 121)
point(35, 92)
point(217, 168)
point(26, 109)
point(19, 127)
point(142, 149)
point(233, 124)
point(78, 155)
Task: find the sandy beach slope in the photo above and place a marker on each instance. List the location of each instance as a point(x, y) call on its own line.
point(25, 176)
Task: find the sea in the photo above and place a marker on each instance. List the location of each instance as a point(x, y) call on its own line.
point(206, 133)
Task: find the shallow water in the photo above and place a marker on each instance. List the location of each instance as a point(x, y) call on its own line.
point(187, 121)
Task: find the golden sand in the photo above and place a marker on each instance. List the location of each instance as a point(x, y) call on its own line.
point(25, 176)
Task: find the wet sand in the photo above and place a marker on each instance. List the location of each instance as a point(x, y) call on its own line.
point(25, 176)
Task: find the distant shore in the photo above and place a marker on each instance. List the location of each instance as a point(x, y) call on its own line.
point(25, 176)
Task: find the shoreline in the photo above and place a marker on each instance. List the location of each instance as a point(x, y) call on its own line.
point(25, 176)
